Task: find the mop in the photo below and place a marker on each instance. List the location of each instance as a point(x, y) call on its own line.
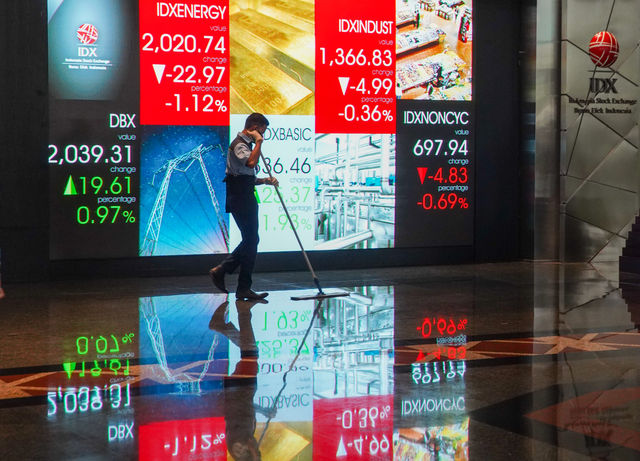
point(320, 294)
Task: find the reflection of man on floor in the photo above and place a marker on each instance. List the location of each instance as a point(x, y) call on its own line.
point(241, 385)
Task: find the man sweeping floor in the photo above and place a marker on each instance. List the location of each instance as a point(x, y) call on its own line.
point(242, 159)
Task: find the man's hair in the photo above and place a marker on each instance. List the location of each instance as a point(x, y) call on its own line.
point(255, 119)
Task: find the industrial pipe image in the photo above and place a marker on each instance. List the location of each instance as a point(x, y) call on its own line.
point(355, 191)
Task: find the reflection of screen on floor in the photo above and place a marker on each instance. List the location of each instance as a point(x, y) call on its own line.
point(370, 136)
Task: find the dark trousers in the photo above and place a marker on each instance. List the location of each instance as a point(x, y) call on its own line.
point(246, 217)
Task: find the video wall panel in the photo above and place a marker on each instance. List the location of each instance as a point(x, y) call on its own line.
point(371, 123)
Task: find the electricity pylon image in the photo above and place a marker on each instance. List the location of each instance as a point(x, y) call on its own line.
point(182, 193)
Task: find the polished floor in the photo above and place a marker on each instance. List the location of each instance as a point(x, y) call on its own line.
point(514, 361)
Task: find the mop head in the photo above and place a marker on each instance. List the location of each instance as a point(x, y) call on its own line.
point(320, 295)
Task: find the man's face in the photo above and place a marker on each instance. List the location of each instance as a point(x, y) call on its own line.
point(261, 129)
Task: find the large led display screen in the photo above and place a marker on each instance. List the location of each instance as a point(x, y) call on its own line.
point(371, 132)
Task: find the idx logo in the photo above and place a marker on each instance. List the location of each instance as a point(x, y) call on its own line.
point(85, 52)
point(603, 85)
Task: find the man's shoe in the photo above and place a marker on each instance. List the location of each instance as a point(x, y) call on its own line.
point(217, 277)
point(243, 304)
point(250, 294)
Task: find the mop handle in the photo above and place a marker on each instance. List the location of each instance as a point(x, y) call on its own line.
point(295, 232)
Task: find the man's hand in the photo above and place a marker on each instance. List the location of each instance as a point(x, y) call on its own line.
point(255, 134)
point(270, 181)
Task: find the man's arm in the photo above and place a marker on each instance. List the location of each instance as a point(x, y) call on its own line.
point(253, 159)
